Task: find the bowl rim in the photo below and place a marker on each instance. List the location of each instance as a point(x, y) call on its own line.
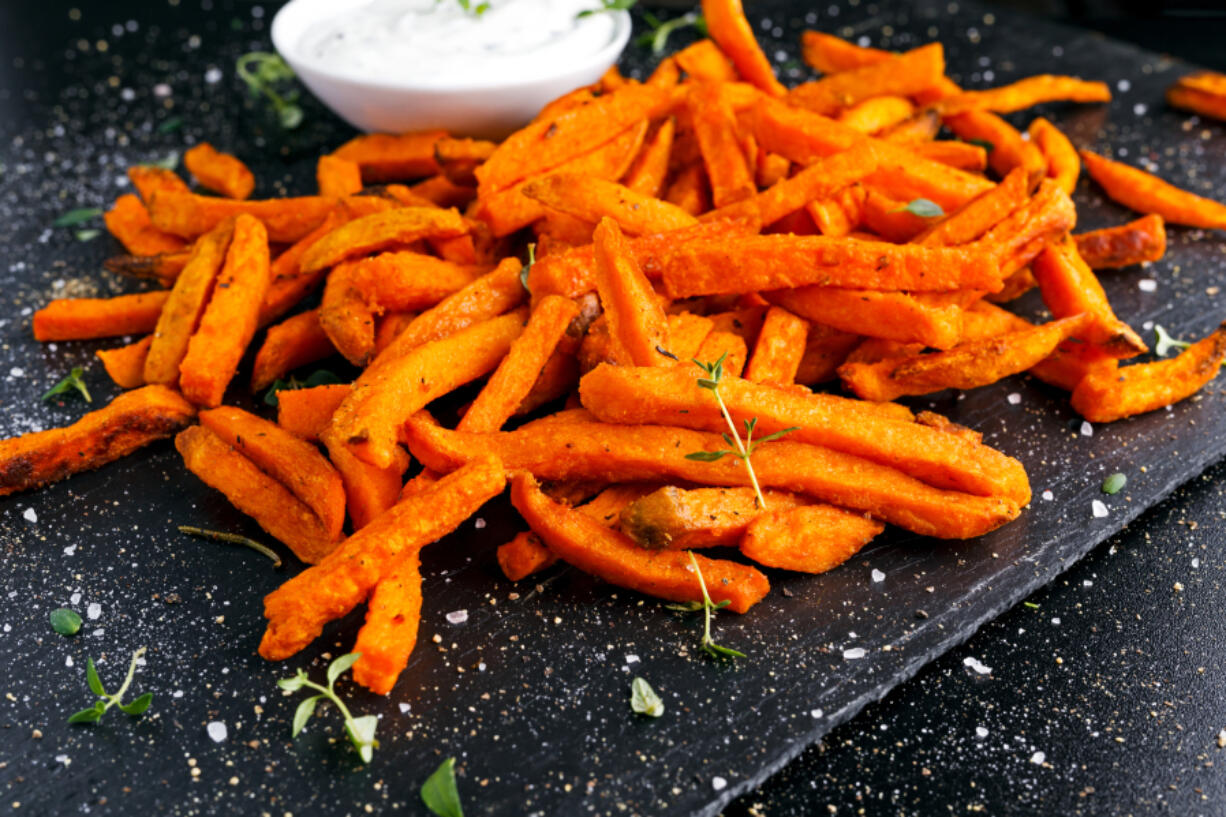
point(607, 55)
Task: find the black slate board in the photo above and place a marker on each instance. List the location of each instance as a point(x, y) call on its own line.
point(530, 694)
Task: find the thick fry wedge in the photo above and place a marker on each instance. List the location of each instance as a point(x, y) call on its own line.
point(130, 421)
point(715, 127)
point(614, 557)
point(680, 519)
point(126, 365)
point(808, 539)
point(219, 172)
point(288, 345)
point(385, 157)
point(1109, 394)
point(89, 318)
point(369, 490)
point(336, 176)
point(637, 323)
point(1146, 193)
point(980, 214)
point(298, 610)
point(1133, 243)
point(389, 633)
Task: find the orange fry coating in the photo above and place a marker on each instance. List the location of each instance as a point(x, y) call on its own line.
point(899, 75)
point(89, 318)
point(1026, 93)
point(1133, 243)
point(388, 635)
point(1063, 164)
point(650, 169)
point(219, 172)
point(779, 348)
point(189, 215)
point(336, 176)
point(637, 322)
point(732, 32)
point(128, 221)
point(1009, 149)
point(307, 412)
point(931, 318)
point(381, 231)
point(369, 490)
point(148, 178)
point(290, 344)
point(1146, 193)
point(808, 539)
point(1203, 93)
point(385, 157)
point(592, 199)
point(126, 365)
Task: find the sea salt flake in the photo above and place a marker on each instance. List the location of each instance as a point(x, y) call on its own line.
point(1123, 86)
point(1098, 508)
point(217, 731)
point(479, 524)
point(981, 732)
point(1087, 430)
point(17, 371)
point(70, 551)
point(212, 76)
point(30, 516)
point(854, 653)
point(457, 616)
point(1147, 285)
point(1038, 758)
point(93, 611)
point(1056, 621)
point(718, 783)
point(1195, 563)
point(404, 708)
point(1048, 496)
point(632, 659)
point(816, 713)
point(1139, 109)
point(978, 666)
point(1014, 398)
point(877, 576)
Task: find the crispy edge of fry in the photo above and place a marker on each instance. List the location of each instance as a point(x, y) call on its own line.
point(128, 221)
point(905, 74)
point(650, 168)
point(131, 421)
point(979, 215)
point(379, 231)
point(1063, 164)
point(307, 412)
point(126, 364)
point(369, 490)
point(337, 176)
point(147, 178)
point(91, 318)
point(1009, 149)
point(808, 539)
point(389, 633)
point(590, 198)
point(680, 518)
point(386, 157)
point(1026, 93)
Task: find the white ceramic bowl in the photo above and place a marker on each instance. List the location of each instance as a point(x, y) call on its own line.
point(491, 109)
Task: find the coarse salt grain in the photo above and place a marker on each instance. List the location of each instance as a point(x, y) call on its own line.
point(1098, 509)
point(1087, 430)
point(816, 713)
point(217, 731)
point(981, 732)
point(718, 783)
point(457, 616)
point(1048, 496)
point(479, 524)
point(404, 708)
point(1147, 285)
point(854, 653)
point(93, 611)
point(1038, 758)
point(978, 666)
point(1014, 398)
point(877, 576)
point(632, 659)
point(30, 516)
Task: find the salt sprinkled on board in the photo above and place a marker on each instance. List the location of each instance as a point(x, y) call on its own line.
point(877, 576)
point(212, 76)
point(30, 516)
point(1147, 285)
point(1087, 430)
point(457, 616)
point(854, 653)
point(93, 611)
point(479, 524)
point(632, 659)
point(1123, 86)
point(981, 732)
point(404, 708)
point(977, 665)
point(816, 713)
point(1038, 758)
point(70, 551)
point(1056, 620)
point(1048, 496)
point(1098, 508)
point(1195, 563)
point(217, 731)
point(1014, 398)
point(718, 783)
point(1139, 109)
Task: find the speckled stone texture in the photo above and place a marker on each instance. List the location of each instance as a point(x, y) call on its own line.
point(531, 692)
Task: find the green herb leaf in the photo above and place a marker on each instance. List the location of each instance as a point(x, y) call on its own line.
point(261, 71)
point(78, 216)
point(606, 5)
point(1114, 483)
point(340, 665)
point(924, 208)
point(707, 456)
point(1030, 604)
point(708, 643)
point(717, 651)
point(362, 735)
point(644, 700)
point(303, 714)
point(91, 678)
point(90, 715)
point(1166, 343)
point(170, 125)
point(138, 706)
point(72, 381)
point(439, 793)
point(685, 607)
point(65, 621)
point(657, 36)
point(168, 162)
point(774, 435)
point(293, 684)
point(87, 235)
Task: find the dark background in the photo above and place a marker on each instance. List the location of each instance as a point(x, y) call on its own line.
point(1115, 673)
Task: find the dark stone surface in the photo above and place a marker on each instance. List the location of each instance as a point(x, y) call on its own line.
point(530, 694)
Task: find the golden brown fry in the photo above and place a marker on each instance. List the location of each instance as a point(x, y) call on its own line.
point(1026, 93)
point(779, 348)
point(1146, 193)
point(89, 318)
point(592, 199)
point(808, 539)
point(1063, 165)
point(219, 172)
point(126, 365)
point(381, 231)
point(1133, 243)
point(680, 519)
point(637, 323)
point(293, 343)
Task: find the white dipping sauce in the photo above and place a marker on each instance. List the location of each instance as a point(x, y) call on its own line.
point(436, 42)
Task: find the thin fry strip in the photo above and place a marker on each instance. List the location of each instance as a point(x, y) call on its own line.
point(715, 129)
point(289, 345)
point(518, 371)
point(650, 169)
point(1146, 193)
point(808, 539)
point(637, 323)
point(288, 285)
point(129, 222)
point(380, 231)
point(899, 75)
point(581, 450)
point(164, 267)
point(388, 635)
point(229, 320)
point(181, 315)
point(298, 610)
point(779, 348)
point(978, 215)
point(628, 396)
point(1136, 242)
point(1026, 93)
point(131, 421)
point(1107, 394)
point(592, 199)
point(126, 365)
point(732, 32)
point(219, 172)
point(293, 462)
point(369, 419)
point(1063, 165)
point(877, 114)
point(190, 216)
point(1009, 149)
point(614, 557)
point(90, 318)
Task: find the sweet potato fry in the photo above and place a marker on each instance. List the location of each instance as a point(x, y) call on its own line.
point(126, 365)
point(458, 158)
point(307, 412)
point(337, 177)
point(705, 62)
point(732, 32)
point(89, 318)
point(650, 169)
point(147, 178)
point(163, 267)
point(130, 421)
point(1069, 287)
point(680, 519)
point(1133, 243)
point(385, 157)
point(962, 155)
point(298, 610)
point(229, 320)
point(808, 539)
point(369, 491)
point(409, 281)
point(622, 453)
point(933, 318)
point(637, 322)
point(288, 284)
point(1018, 238)
point(258, 495)
point(293, 462)
point(890, 218)
point(980, 214)
point(830, 55)
point(128, 221)
point(369, 419)
point(900, 75)
point(614, 557)
point(219, 172)
point(1026, 93)
point(877, 114)
point(825, 350)
point(838, 215)
point(779, 348)
point(443, 192)
point(290, 344)
point(1146, 193)
point(915, 132)
point(1063, 165)
point(627, 395)
point(344, 316)
point(1109, 394)
point(388, 635)
point(714, 123)
point(381, 231)
point(519, 370)
point(690, 190)
point(1203, 93)
point(190, 216)
point(549, 142)
point(1072, 362)
point(729, 346)
point(181, 315)
point(756, 263)
point(964, 367)
point(591, 199)
point(1009, 149)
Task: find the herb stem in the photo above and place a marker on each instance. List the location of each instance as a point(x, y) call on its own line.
point(742, 452)
point(127, 681)
point(234, 539)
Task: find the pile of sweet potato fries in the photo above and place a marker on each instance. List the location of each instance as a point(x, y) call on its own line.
point(782, 237)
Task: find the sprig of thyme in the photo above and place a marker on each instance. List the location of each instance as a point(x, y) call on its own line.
point(1165, 343)
point(94, 713)
point(526, 269)
point(607, 5)
point(743, 451)
point(262, 71)
point(73, 381)
point(661, 30)
point(361, 731)
point(707, 606)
